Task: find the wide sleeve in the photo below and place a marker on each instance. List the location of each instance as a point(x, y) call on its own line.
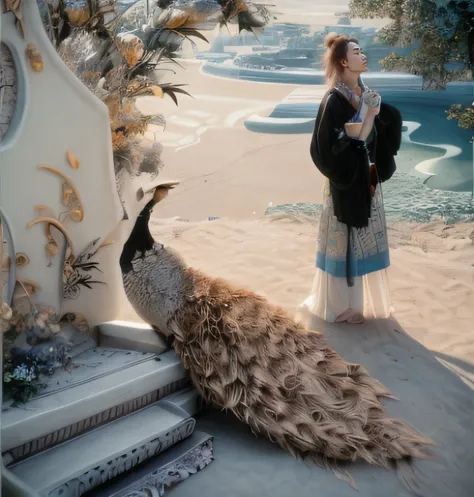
point(389, 138)
point(342, 159)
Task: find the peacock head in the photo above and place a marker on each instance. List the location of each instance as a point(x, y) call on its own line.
point(154, 194)
point(139, 198)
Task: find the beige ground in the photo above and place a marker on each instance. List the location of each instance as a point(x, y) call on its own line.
point(431, 278)
point(234, 174)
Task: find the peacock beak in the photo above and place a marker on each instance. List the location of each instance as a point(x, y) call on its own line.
point(151, 189)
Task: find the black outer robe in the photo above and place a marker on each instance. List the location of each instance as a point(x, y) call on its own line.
point(344, 160)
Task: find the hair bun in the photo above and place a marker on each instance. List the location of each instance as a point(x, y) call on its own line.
point(330, 39)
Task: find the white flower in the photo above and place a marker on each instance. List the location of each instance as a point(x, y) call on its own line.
point(23, 372)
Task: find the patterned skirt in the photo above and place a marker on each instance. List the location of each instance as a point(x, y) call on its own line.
point(368, 260)
point(369, 246)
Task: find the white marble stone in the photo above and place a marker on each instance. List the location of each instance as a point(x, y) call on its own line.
point(131, 336)
point(55, 113)
point(168, 469)
point(48, 413)
point(75, 467)
point(187, 400)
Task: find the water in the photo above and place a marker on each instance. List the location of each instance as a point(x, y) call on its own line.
point(406, 198)
point(434, 178)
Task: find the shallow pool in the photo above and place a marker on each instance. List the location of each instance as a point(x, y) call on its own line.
point(434, 166)
point(406, 198)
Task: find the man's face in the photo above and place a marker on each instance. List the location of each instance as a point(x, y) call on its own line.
point(356, 61)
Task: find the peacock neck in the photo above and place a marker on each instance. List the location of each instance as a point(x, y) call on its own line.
point(139, 241)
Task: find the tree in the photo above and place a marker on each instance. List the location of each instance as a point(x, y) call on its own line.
point(463, 115)
point(440, 34)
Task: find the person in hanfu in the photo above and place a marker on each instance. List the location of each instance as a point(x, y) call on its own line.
point(355, 139)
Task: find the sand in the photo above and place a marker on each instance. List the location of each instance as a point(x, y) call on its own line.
point(432, 286)
point(226, 170)
point(431, 276)
point(233, 174)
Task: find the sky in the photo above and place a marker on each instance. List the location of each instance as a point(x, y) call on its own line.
point(312, 12)
point(317, 12)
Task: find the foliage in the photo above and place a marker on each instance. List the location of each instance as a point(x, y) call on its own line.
point(440, 34)
point(21, 382)
point(21, 378)
point(463, 115)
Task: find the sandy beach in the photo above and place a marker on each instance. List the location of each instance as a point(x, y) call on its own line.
point(232, 173)
point(431, 277)
point(226, 170)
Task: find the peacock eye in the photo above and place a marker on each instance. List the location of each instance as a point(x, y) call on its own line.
point(140, 194)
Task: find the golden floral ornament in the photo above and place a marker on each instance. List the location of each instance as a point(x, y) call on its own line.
point(6, 315)
point(35, 58)
point(6, 262)
point(131, 47)
point(21, 259)
point(28, 287)
point(72, 159)
point(51, 248)
point(76, 215)
point(77, 320)
point(51, 245)
point(71, 198)
point(41, 208)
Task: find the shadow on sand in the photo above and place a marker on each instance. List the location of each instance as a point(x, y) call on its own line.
point(462, 368)
point(431, 397)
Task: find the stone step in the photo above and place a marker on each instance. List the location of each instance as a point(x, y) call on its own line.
point(166, 470)
point(71, 469)
point(131, 336)
point(68, 412)
point(187, 400)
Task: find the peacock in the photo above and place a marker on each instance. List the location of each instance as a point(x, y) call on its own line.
point(251, 358)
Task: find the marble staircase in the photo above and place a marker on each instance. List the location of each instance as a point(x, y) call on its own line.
point(116, 409)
